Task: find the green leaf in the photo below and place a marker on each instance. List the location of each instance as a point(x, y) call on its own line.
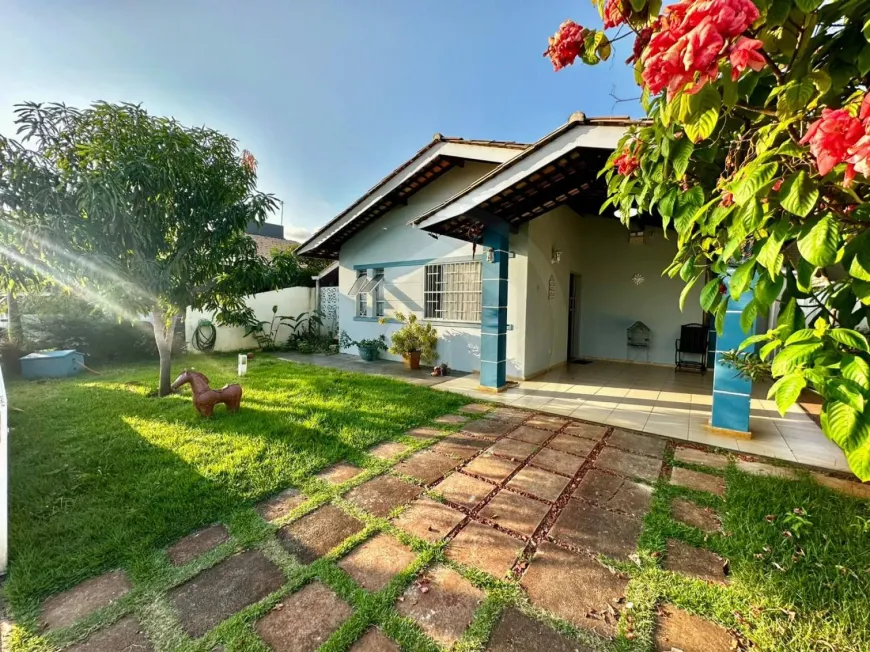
point(802, 335)
point(794, 356)
point(786, 391)
point(666, 208)
point(767, 289)
point(710, 294)
point(721, 311)
point(751, 215)
point(860, 265)
point(820, 241)
point(841, 423)
point(770, 255)
point(688, 269)
point(846, 391)
point(681, 153)
point(729, 88)
point(856, 369)
point(704, 113)
point(769, 348)
point(753, 339)
point(685, 293)
point(805, 271)
point(808, 6)
point(757, 179)
point(799, 194)
point(849, 338)
point(862, 291)
point(791, 319)
point(741, 279)
point(748, 316)
point(778, 12)
point(795, 97)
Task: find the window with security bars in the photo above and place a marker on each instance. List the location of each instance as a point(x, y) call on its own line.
point(453, 292)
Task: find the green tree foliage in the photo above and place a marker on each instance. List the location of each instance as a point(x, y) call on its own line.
point(145, 214)
point(756, 153)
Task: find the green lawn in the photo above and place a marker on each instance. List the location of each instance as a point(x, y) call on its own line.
point(103, 477)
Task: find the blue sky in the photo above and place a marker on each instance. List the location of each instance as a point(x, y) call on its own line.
point(329, 95)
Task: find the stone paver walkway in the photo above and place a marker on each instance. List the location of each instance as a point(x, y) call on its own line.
point(554, 506)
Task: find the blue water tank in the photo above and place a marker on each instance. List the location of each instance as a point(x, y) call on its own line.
point(52, 364)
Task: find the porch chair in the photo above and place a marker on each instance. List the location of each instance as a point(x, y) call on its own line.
point(691, 344)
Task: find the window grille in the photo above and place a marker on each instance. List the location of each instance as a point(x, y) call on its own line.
point(453, 292)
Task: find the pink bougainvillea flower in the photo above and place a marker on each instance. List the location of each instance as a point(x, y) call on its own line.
point(777, 185)
point(615, 13)
point(565, 45)
point(830, 139)
point(731, 17)
point(249, 161)
point(626, 163)
point(864, 112)
point(745, 54)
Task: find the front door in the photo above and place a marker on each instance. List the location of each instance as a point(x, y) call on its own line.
point(573, 317)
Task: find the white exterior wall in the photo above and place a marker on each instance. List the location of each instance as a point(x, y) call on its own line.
point(290, 302)
point(403, 252)
point(609, 301)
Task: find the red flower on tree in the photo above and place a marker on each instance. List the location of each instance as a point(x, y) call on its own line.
point(745, 54)
point(565, 45)
point(615, 13)
point(627, 162)
point(831, 138)
point(249, 161)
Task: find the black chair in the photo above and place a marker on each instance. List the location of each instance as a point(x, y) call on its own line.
point(692, 344)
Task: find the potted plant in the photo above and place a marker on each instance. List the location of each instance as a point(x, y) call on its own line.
point(369, 350)
point(415, 342)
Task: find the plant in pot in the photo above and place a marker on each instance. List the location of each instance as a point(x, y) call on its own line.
point(369, 350)
point(415, 342)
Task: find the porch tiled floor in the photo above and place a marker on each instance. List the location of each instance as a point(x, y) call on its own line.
point(658, 400)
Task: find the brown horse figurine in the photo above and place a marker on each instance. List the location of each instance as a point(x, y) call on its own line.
point(204, 397)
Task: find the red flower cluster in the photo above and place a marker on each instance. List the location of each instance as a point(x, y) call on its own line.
point(691, 37)
point(249, 161)
point(627, 162)
point(838, 137)
point(745, 54)
point(565, 45)
point(615, 13)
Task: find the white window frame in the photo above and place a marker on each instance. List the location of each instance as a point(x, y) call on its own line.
point(453, 292)
point(362, 299)
point(379, 292)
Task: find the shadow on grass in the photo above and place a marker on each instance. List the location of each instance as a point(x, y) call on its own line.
point(101, 475)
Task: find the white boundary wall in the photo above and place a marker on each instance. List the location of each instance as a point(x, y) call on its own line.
point(4, 478)
point(290, 302)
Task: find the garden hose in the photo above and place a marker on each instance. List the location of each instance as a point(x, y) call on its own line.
point(204, 336)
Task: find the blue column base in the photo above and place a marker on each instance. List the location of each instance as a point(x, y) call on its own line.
point(731, 392)
point(493, 322)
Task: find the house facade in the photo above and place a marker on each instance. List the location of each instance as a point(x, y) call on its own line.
point(502, 248)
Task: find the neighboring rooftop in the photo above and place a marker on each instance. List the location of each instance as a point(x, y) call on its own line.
point(269, 237)
point(441, 154)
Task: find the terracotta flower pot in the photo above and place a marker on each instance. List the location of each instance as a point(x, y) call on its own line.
point(411, 360)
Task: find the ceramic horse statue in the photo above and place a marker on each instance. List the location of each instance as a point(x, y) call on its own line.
point(204, 397)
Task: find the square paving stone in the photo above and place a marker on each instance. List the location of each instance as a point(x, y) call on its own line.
point(643, 444)
point(126, 635)
point(305, 621)
point(224, 589)
point(531, 435)
point(694, 515)
point(512, 448)
point(680, 630)
point(492, 467)
point(694, 562)
point(615, 492)
point(426, 466)
point(702, 458)
point(383, 494)
point(425, 433)
point(197, 544)
point(475, 408)
point(464, 490)
point(485, 548)
point(338, 473)
point(280, 505)
point(539, 483)
point(451, 419)
point(546, 422)
point(596, 529)
point(512, 415)
point(446, 607)
point(63, 609)
point(574, 587)
point(387, 450)
point(315, 534)
point(516, 632)
point(570, 444)
point(488, 428)
point(847, 487)
point(460, 447)
point(629, 464)
point(759, 468)
point(585, 430)
point(516, 513)
point(374, 641)
point(429, 520)
point(557, 461)
point(698, 481)
point(374, 563)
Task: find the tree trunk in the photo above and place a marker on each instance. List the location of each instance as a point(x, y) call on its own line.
point(163, 334)
point(15, 333)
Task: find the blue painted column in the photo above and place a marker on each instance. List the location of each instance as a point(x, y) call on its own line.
point(731, 392)
point(493, 322)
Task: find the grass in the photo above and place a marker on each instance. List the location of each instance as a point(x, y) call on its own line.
point(104, 477)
